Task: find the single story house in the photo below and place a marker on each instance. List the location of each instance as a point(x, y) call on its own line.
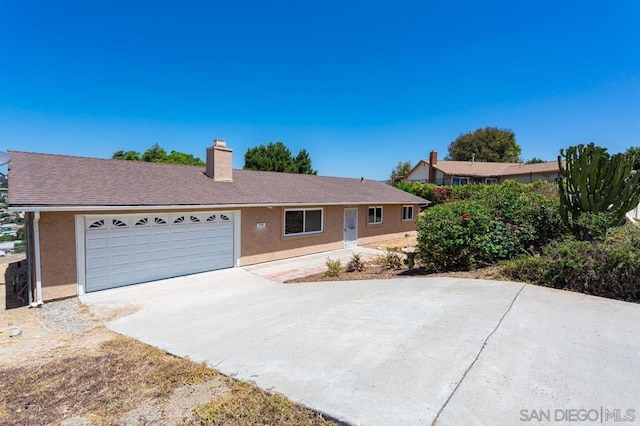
point(94, 224)
point(464, 172)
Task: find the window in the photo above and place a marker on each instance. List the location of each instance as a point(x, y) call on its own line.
point(456, 180)
point(407, 212)
point(97, 224)
point(491, 181)
point(375, 215)
point(298, 222)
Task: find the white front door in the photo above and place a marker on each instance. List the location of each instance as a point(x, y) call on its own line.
point(350, 227)
point(130, 249)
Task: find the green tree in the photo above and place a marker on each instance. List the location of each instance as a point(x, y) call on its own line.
point(596, 183)
point(303, 163)
point(176, 157)
point(488, 144)
point(535, 160)
point(276, 157)
point(401, 171)
point(126, 155)
point(157, 154)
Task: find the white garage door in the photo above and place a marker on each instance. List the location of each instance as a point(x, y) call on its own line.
point(129, 249)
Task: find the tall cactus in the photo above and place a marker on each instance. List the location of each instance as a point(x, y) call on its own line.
point(592, 181)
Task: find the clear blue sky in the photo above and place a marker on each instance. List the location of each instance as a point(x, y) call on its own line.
point(360, 85)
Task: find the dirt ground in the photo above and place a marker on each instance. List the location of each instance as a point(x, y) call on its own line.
point(379, 270)
point(64, 367)
point(59, 365)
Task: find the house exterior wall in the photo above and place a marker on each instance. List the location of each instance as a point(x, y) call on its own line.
point(532, 177)
point(270, 243)
point(392, 224)
point(258, 244)
point(421, 173)
point(58, 255)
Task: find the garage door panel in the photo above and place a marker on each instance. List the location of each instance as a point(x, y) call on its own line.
point(99, 242)
point(129, 249)
point(119, 241)
point(144, 239)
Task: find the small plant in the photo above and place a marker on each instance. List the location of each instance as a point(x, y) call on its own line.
point(356, 263)
point(333, 268)
point(389, 260)
point(410, 261)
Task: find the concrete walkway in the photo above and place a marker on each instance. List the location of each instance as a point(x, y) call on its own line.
point(302, 266)
point(402, 351)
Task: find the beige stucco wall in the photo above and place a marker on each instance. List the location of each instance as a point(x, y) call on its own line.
point(392, 223)
point(58, 241)
point(58, 255)
point(532, 177)
point(270, 243)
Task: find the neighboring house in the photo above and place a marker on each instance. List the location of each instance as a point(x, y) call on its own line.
point(94, 224)
point(464, 172)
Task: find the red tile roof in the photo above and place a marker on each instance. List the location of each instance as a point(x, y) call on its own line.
point(59, 180)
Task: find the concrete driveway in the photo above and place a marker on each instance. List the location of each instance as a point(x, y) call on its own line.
point(403, 351)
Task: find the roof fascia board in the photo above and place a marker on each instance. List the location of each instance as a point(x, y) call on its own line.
point(195, 206)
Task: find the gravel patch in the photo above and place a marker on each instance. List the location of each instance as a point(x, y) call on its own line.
point(65, 316)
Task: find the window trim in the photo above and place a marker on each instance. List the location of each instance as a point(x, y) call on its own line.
point(460, 178)
point(374, 215)
point(304, 219)
point(409, 219)
point(491, 181)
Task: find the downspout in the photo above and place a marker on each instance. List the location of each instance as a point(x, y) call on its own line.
point(29, 256)
point(37, 300)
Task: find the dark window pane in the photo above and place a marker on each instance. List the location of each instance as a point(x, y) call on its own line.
point(293, 222)
point(313, 221)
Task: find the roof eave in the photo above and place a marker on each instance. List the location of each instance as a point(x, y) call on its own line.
point(71, 208)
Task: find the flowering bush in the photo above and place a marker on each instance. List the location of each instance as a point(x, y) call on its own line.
point(488, 224)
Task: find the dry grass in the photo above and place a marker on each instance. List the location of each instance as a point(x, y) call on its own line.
point(120, 375)
point(106, 384)
point(246, 404)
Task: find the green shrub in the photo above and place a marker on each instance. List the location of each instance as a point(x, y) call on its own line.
point(593, 226)
point(333, 268)
point(389, 260)
point(488, 223)
point(608, 268)
point(356, 263)
point(428, 191)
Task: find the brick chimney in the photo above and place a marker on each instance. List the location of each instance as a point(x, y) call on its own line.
point(433, 160)
point(219, 162)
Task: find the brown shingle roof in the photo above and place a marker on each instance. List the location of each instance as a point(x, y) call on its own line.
point(487, 169)
point(58, 180)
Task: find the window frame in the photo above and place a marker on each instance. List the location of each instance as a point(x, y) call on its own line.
point(408, 206)
point(304, 220)
point(466, 178)
point(374, 215)
point(491, 181)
